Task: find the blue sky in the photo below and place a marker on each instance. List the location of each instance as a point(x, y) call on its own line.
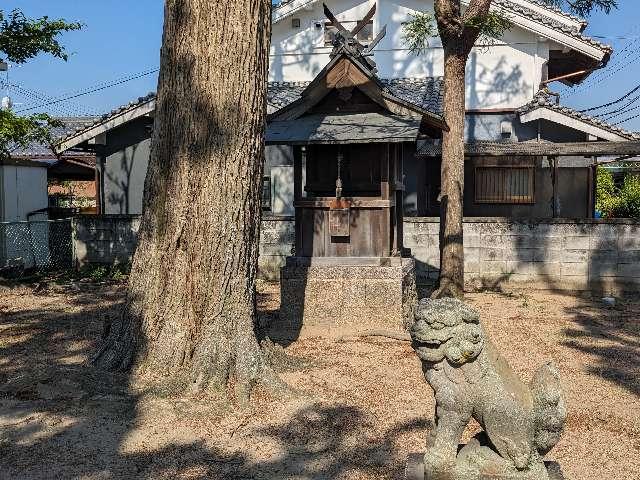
point(121, 38)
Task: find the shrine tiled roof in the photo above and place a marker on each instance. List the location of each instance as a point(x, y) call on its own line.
point(425, 93)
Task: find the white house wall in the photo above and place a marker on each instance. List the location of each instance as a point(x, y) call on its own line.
point(504, 75)
point(23, 189)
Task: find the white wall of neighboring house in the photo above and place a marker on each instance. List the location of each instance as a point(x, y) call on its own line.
point(23, 189)
point(503, 75)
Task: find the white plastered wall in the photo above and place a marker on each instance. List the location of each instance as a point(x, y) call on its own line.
point(501, 76)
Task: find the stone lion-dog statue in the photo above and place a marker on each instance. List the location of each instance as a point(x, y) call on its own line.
point(471, 380)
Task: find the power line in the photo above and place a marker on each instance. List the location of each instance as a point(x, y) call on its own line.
point(626, 120)
point(614, 60)
point(69, 110)
point(88, 92)
point(107, 82)
point(599, 80)
point(622, 113)
point(627, 95)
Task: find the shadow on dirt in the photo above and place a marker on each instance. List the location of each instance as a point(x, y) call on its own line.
point(612, 338)
point(62, 419)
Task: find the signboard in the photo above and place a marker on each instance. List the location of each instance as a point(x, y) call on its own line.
point(339, 221)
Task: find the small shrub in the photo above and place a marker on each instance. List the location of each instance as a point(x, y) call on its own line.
point(612, 202)
point(630, 196)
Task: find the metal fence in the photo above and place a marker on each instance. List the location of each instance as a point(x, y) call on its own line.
point(35, 246)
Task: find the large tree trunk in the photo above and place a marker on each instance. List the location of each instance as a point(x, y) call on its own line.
point(458, 37)
point(451, 280)
point(190, 307)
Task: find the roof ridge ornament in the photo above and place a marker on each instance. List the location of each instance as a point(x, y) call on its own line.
point(346, 41)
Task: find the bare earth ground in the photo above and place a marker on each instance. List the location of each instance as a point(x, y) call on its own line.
point(363, 404)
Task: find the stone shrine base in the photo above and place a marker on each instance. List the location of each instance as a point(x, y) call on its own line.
point(325, 296)
point(415, 471)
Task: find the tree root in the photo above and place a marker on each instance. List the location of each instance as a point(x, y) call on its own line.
point(448, 289)
point(402, 337)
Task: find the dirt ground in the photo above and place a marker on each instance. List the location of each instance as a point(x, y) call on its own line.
point(362, 404)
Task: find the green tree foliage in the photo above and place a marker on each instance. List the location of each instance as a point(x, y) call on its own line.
point(17, 131)
point(21, 39)
point(585, 7)
point(417, 32)
point(613, 202)
point(630, 195)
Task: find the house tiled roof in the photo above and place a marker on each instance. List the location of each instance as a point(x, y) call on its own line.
point(544, 100)
point(551, 23)
point(78, 128)
point(559, 11)
point(36, 150)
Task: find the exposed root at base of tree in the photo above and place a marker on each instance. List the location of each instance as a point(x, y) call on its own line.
point(402, 337)
point(448, 289)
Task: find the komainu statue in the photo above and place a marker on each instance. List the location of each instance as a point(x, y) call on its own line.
point(471, 380)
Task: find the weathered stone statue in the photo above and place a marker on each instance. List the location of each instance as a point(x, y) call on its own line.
point(471, 380)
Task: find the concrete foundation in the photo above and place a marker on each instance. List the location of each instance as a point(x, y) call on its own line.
point(337, 296)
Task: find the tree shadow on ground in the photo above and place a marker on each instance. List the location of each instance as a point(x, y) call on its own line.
point(612, 338)
point(62, 419)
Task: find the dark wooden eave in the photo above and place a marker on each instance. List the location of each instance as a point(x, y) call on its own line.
point(534, 148)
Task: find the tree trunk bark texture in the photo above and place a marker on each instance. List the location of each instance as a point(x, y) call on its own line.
point(458, 36)
point(451, 280)
point(190, 306)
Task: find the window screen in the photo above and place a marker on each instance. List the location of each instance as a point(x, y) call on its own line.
point(266, 193)
point(364, 36)
point(504, 185)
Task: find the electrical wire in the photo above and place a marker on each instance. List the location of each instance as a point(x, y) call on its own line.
point(107, 82)
point(88, 92)
point(68, 109)
point(599, 80)
point(627, 95)
point(619, 114)
point(626, 120)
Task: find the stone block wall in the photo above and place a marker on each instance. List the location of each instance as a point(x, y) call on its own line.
point(111, 239)
point(554, 254)
point(562, 254)
point(104, 239)
point(277, 241)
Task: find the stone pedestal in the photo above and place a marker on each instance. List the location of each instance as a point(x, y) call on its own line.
point(414, 470)
point(324, 296)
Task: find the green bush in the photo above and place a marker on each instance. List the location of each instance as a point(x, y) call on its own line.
point(630, 196)
point(613, 202)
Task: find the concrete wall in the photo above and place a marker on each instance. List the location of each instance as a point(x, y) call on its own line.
point(560, 254)
point(277, 239)
point(104, 239)
point(503, 76)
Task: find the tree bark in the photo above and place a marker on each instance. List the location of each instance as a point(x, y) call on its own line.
point(458, 39)
point(451, 279)
point(190, 308)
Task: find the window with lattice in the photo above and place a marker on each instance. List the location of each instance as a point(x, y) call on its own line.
point(499, 184)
